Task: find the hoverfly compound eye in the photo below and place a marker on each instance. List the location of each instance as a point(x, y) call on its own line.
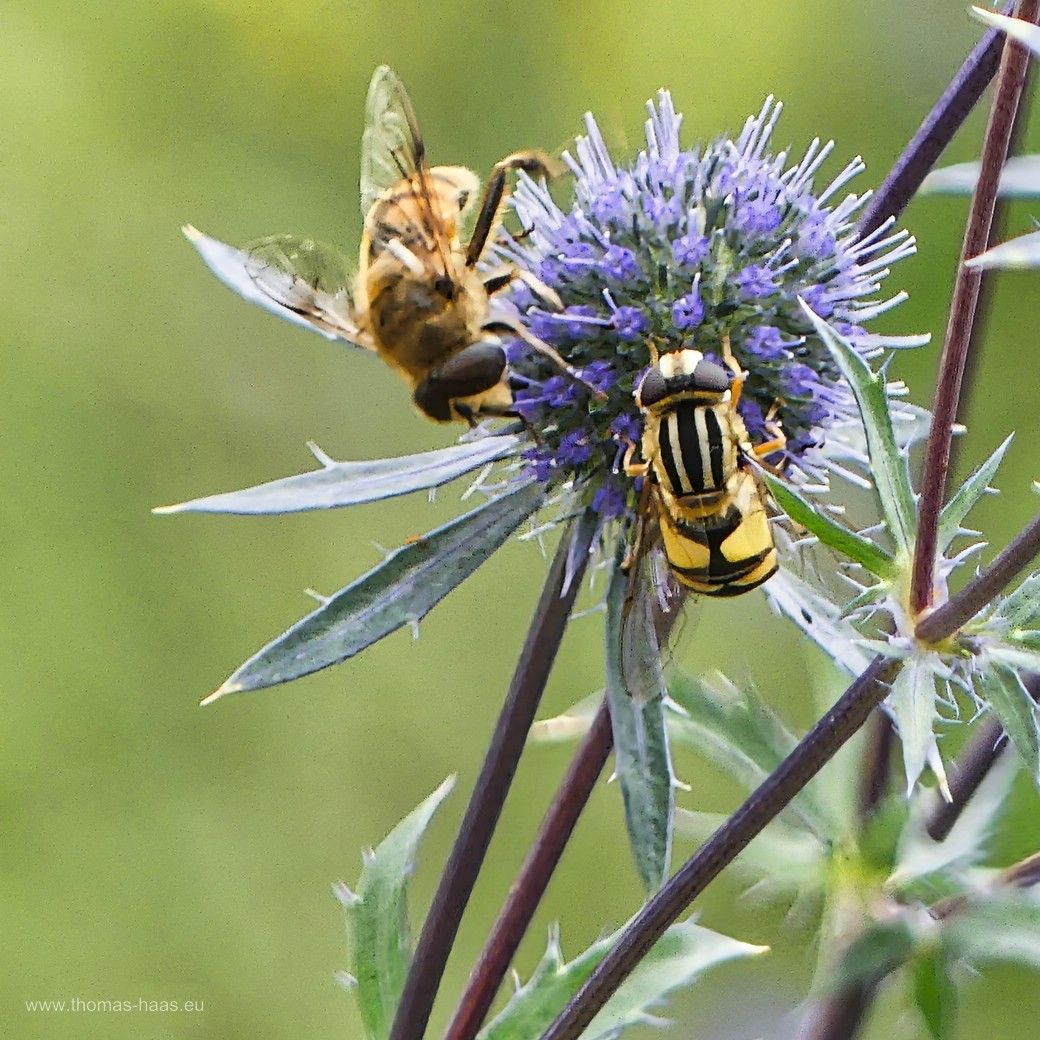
point(711, 377)
point(652, 389)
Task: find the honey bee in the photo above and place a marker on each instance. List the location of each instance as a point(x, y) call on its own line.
point(701, 487)
point(418, 299)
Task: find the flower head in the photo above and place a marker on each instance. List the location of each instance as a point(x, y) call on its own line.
point(689, 248)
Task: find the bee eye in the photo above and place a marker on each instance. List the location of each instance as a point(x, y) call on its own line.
point(463, 200)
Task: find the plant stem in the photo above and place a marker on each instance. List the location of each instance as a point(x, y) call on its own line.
point(876, 758)
point(936, 132)
point(775, 792)
point(959, 609)
point(1010, 81)
point(533, 879)
point(489, 794)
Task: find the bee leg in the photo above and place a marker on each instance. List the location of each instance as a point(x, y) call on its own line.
point(472, 371)
point(489, 214)
point(499, 278)
point(519, 330)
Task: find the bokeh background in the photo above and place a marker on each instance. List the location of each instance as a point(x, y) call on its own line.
point(156, 850)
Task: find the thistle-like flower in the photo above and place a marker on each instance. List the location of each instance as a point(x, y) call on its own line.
point(684, 248)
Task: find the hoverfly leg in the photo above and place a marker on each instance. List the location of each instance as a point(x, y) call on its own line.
point(737, 386)
point(634, 469)
point(468, 373)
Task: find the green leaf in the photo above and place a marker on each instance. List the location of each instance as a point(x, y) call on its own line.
point(1020, 178)
point(339, 484)
point(1021, 608)
point(736, 730)
point(569, 725)
point(935, 995)
point(849, 543)
point(377, 917)
point(887, 463)
point(399, 591)
point(920, 858)
point(1016, 28)
point(912, 704)
point(643, 764)
point(1018, 253)
point(876, 952)
point(679, 957)
point(819, 619)
point(1004, 928)
point(1011, 703)
point(955, 511)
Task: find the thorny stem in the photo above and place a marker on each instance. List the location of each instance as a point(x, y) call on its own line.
point(876, 758)
point(1010, 81)
point(489, 794)
point(813, 752)
point(983, 589)
point(533, 879)
point(773, 794)
point(935, 133)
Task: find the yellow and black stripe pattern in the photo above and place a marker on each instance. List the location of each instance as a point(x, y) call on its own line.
point(710, 506)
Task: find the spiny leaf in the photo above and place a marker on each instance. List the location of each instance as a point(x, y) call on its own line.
point(400, 590)
point(888, 465)
point(642, 761)
point(736, 730)
point(1021, 608)
point(849, 543)
point(1011, 703)
point(1020, 178)
point(1001, 928)
point(679, 957)
point(912, 704)
point(377, 916)
point(339, 484)
point(955, 511)
point(1017, 253)
point(920, 857)
point(819, 619)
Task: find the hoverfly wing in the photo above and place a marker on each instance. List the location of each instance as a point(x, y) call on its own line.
point(641, 658)
point(302, 281)
point(391, 148)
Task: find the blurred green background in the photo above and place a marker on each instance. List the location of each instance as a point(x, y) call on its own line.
point(160, 851)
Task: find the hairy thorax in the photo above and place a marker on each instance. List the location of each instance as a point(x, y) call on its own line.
point(417, 324)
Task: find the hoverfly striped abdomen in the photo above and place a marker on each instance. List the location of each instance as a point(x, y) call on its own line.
point(710, 507)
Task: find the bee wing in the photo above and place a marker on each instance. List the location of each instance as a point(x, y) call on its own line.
point(302, 281)
point(391, 147)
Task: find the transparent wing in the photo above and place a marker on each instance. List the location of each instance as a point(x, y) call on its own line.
point(641, 620)
point(302, 281)
point(391, 148)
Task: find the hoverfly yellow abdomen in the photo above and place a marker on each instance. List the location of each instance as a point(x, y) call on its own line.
point(710, 506)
